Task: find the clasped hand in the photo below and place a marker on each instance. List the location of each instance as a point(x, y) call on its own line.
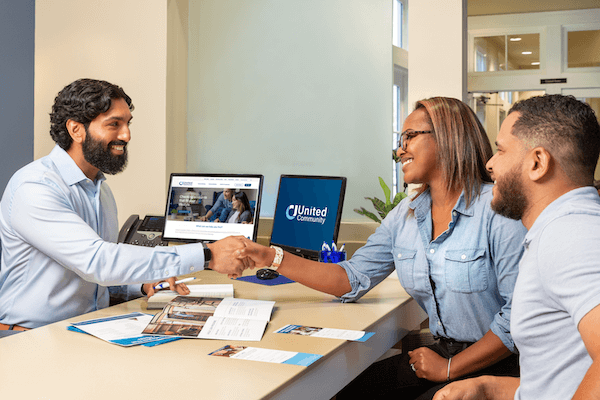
point(429, 365)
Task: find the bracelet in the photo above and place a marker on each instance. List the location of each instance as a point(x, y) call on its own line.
point(448, 375)
point(278, 257)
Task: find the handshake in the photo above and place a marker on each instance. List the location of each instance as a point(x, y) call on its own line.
point(230, 256)
point(234, 254)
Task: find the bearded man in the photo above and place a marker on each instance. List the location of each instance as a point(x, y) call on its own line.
point(59, 227)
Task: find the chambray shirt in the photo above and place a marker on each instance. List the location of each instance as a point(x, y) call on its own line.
point(58, 231)
point(558, 284)
point(463, 279)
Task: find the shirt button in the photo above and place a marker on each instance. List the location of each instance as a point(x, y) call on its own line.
point(432, 251)
point(454, 213)
point(439, 323)
point(463, 257)
point(192, 268)
point(399, 255)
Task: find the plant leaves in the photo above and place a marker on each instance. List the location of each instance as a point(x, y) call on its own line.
point(386, 190)
point(368, 214)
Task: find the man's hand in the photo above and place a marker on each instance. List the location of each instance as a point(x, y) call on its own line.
point(468, 389)
point(429, 365)
point(225, 256)
point(480, 388)
point(180, 288)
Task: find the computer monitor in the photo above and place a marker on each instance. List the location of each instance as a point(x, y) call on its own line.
point(308, 212)
point(192, 196)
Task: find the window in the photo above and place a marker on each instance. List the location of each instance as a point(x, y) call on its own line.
point(507, 52)
point(583, 49)
point(400, 23)
point(399, 100)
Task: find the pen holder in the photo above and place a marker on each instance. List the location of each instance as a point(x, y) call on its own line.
point(329, 256)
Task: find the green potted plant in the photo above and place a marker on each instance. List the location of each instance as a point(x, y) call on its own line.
point(383, 208)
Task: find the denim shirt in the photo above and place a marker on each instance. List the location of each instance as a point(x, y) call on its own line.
point(464, 279)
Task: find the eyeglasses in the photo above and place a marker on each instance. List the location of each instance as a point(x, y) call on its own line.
point(407, 135)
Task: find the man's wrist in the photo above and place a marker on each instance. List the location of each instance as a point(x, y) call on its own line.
point(207, 254)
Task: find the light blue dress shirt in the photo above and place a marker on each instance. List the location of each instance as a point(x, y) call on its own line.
point(464, 279)
point(59, 252)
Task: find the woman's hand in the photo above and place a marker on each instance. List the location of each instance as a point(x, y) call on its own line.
point(429, 365)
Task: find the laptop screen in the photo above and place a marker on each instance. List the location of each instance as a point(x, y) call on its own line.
point(308, 212)
point(209, 207)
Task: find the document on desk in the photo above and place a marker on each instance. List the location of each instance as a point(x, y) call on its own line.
point(163, 297)
point(212, 318)
point(124, 330)
point(330, 333)
point(266, 355)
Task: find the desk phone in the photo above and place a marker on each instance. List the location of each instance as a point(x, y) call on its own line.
point(143, 232)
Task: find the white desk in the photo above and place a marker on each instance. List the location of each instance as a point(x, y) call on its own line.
point(53, 363)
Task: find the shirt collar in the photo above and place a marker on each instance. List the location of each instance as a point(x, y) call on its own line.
point(68, 169)
point(563, 205)
point(423, 202)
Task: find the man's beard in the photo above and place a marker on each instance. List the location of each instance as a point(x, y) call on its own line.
point(510, 201)
point(99, 155)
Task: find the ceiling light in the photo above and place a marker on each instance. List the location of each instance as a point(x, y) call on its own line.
point(535, 63)
point(526, 52)
point(515, 39)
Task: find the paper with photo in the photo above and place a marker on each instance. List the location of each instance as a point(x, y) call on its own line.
point(330, 333)
point(266, 355)
point(212, 318)
point(124, 330)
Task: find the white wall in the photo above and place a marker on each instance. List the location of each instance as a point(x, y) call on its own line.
point(438, 38)
point(123, 42)
point(292, 87)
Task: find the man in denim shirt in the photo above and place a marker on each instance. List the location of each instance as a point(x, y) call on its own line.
point(548, 149)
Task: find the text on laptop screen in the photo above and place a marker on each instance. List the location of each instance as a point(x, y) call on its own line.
point(308, 212)
point(210, 207)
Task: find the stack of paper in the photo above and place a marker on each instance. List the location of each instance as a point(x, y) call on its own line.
point(161, 298)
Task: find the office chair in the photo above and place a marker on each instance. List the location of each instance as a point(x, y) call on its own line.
point(5, 333)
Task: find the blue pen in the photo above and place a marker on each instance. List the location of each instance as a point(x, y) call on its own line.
point(342, 248)
point(325, 247)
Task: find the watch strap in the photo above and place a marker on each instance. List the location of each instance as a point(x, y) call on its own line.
point(278, 257)
point(207, 255)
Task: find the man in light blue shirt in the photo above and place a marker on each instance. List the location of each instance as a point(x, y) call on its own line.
point(548, 149)
point(58, 220)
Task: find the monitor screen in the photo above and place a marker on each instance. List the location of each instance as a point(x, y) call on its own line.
point(308, 212)
point(209, 207)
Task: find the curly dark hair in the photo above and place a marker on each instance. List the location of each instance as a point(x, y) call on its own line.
point(566, 127)
point(82, 101)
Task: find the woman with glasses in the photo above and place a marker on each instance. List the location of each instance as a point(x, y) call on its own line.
point(452, 253)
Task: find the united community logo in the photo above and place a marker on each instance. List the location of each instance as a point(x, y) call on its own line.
point(302, 213)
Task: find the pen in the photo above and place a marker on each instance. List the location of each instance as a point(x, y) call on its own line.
point(342, 248)
point(165, 285)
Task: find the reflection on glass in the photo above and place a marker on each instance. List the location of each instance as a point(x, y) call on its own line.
point(523, 51)
point(507, 52)
point(583, 49)
point(490, 53)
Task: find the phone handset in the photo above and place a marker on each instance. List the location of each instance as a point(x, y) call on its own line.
point(128, 229)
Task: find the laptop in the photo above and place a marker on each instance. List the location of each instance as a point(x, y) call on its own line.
point(190, 198)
